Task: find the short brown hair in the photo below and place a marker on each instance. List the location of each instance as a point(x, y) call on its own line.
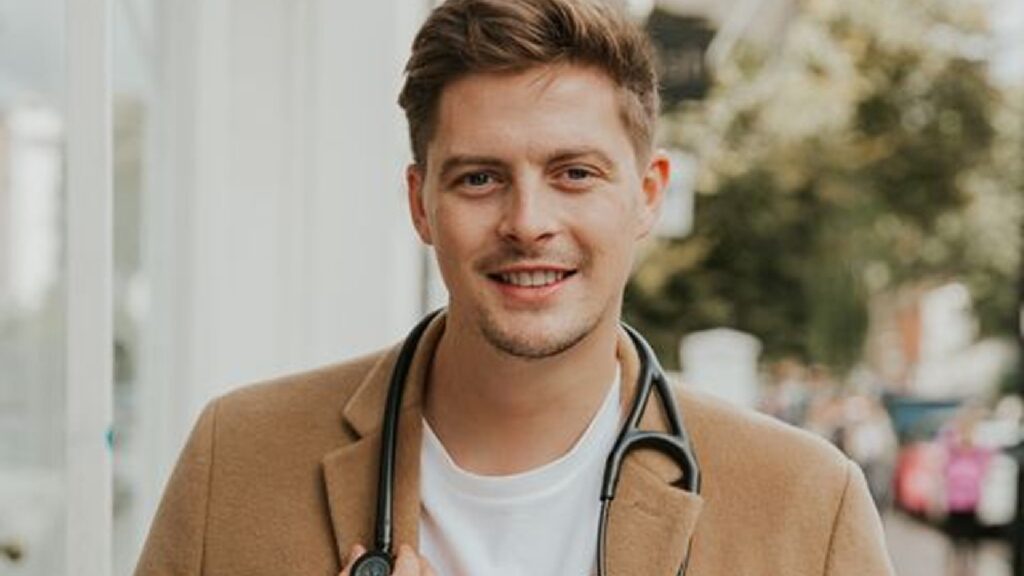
point(471, 36)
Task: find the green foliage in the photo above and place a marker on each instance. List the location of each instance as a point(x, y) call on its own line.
point(872, 151)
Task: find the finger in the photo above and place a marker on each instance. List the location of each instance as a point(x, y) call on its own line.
point(407, 564)
point(356, 553)
point(353, 555)
point(425, 568)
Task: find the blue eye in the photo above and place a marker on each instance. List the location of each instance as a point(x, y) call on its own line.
point(477, 179)
point(477, 183)
point(578, 174)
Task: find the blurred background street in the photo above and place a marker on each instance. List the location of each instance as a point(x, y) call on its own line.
point(918, 550)
point(848, 257)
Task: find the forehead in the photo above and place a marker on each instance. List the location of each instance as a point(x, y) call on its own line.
point(530, 112)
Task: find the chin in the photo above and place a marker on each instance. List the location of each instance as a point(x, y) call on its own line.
point(538, 340)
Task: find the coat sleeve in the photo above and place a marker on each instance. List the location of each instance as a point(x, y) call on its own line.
point(857, 545)
point(176, 538)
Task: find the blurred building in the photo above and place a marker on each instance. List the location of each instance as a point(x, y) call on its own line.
point(694, 36)
point(260, 228)
point(923, 342)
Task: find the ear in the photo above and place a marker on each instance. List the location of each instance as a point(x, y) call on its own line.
point(654, 181)
point(415, 180)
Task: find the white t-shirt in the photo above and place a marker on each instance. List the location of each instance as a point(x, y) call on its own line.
point(536, 523)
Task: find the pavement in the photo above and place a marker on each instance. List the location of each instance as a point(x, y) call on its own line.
point(919, 550)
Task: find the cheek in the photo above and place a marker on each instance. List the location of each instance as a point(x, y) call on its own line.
point(459, 234)
point(609, 233)
point(611, 225)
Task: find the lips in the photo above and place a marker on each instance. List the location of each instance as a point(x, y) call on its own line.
point(531, 284)
point(532, 279)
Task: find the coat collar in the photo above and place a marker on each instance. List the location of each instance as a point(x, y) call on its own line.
point(651, 522)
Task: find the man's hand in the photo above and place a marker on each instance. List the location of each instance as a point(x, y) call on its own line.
point(408, 563)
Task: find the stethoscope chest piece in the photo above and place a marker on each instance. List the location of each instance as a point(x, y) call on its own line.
point(372, 564)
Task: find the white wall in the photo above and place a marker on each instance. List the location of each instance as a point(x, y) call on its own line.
point(275, 232)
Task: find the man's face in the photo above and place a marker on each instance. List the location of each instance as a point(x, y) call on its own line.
point(533, 200)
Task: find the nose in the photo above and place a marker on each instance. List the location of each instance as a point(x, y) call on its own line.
point(529, 213)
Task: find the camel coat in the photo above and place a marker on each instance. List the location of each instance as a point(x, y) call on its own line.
point(280, 479)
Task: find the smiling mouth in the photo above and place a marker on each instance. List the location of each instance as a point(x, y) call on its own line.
point(531, 279)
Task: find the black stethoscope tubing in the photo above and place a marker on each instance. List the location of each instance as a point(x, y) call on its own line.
point(675, 444)
point(651, 379)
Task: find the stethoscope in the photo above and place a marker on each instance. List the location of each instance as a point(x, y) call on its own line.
point(675, 444)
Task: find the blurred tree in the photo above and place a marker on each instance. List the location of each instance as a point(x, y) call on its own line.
point(871, 152)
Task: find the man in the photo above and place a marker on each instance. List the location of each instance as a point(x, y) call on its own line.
point(534, 176)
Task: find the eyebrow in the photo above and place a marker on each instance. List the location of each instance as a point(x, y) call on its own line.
point(559, 155)
point(459, 160)
point(565, 154)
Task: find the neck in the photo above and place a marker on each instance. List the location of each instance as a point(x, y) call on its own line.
point(498, 414)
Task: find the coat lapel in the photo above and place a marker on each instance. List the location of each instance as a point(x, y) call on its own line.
point(651, 522)
point(351, 472)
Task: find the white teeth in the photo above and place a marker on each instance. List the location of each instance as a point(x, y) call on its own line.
point(532, 279)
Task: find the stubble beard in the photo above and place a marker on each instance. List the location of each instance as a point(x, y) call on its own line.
point(529, 347)
point(548, 343)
